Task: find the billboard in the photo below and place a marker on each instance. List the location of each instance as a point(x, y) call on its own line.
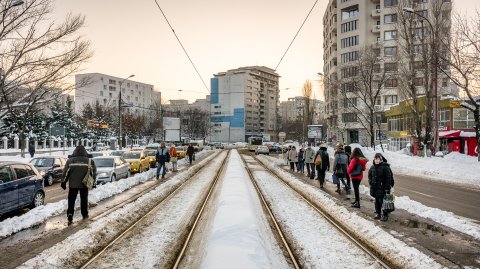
point(171, 129)
point(172, 135)
point(315, 131)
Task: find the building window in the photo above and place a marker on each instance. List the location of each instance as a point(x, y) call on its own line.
point(390, 3)
point(418, 65)
point(378, 101)
point(390, 51)
point(390, 99)
point(390, 18)
point(104, 87)
point(417, 49)
point(418, 81)
point(349, 56)
point(391, 83)
point(394, 124)
point(350, 41)
point(349, 117)
point(444, 82)
point(112, 88)
point(349, 72)
point(391, 67)
point(444, 118)
point(349, 102)
point(348, 87)
point(463, 118)
point(390, 35)
point(349, 26)
point(420, 33)
point(112, 81)
point(350, 12)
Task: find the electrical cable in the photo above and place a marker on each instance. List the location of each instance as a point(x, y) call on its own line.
point(295, 34)
point(184, 50)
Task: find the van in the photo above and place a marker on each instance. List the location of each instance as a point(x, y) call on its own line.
point(197, 144)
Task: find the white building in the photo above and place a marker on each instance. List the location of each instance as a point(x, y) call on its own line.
point(105, 89)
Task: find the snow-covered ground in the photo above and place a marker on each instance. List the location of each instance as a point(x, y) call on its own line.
point(40, 214)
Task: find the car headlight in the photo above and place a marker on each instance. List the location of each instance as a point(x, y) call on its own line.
point(42, 173)
point(103, 174)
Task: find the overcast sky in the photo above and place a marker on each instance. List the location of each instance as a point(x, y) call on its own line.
point(132, 37)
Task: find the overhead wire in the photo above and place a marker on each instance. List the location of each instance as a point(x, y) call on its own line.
point(184, 50)
point(295, 34)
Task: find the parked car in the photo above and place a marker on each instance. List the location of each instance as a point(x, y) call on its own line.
point(117, 153)
point(111, 168)
point(137, 160)
point(181, 150)
point(262, 150)
point(21, 185)
point(151, 157)
point(51, 168)
point(99, 153)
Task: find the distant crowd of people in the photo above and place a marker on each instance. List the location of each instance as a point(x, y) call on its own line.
point(348, 168)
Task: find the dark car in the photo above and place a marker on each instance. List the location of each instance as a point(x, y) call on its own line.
point(51, 168)
point(20, 186)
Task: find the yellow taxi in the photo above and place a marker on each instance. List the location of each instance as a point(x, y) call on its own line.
point(151, 157)
point(138, 161)
point(181, 151)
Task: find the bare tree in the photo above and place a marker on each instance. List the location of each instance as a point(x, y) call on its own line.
point(37, 56)
point(464, 62)
point(307, 93)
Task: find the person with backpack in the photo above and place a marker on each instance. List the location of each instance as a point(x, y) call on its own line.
point(380, 178)
point(293, 158)
point(309, 161)
point(355, 171)
point(190, 153)
point(340, 163)
point(162, 156)
point(76, 168)
point(301, 160)
point(322, 163)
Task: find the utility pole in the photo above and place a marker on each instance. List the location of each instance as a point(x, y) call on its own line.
point(120, 140)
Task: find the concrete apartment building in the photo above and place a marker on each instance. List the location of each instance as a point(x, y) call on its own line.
point(244, 102)
point(294, 108)
point(105, 89)
point(349, 27)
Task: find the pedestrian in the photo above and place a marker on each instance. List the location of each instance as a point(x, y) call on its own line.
point(301, 160)
point(322, 163)
point(355, 171)
point(380, 178)
point(190, 153)
point(309, 161)
point(348, 151)
point(31, 148)
point(173, 157)
point(340, 163)
point(76, 169)
point(162, 157)
point(293, 158)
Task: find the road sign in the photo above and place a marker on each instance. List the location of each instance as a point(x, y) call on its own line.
point(57, 131)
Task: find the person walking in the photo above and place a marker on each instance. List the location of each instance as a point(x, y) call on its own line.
point(76, 169)
point(173, 157)
point(31, 148)
point(324, 165)
point(301, 160)
point(190, 152)
point(380, 178)
point(340, 163)
point(348, 151)
point(309, 161)
point(162, 156)
point(293, 158)
point(355, 171)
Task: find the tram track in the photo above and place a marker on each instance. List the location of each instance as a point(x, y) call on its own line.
point(379, 258)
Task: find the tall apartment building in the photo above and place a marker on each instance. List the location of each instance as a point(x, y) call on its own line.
point(105, 89)
point(349, 27)
point(244, 102)
point(294, 109)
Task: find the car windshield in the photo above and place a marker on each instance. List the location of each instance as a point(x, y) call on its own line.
point(117, 153)
point(42, 162)
point(131, 155)
point(103, 162)
point(151, 153)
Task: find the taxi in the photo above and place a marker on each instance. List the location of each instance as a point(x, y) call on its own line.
point(181, 151)
point(151, 157)
point(138, 161)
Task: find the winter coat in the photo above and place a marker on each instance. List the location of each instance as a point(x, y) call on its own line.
point(190, 150)
point(380, 178)
point(340, 163)
point(354, 162)
point(76, 169)
point(163, 155)
point(293, 156)
point(325, 159)
point(173, 152)
point(301, 155)
point(309, 155)
point(31, 148)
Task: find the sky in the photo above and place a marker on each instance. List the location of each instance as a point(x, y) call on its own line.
point(132, 37)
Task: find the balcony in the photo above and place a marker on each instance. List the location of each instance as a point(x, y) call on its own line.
point(376, 29)
point(376, 13)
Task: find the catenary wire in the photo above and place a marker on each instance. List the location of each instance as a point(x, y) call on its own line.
point(184, 50)
point(295, 34)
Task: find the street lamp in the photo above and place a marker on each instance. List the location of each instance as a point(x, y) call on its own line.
point(412, 11)
point(120, 112)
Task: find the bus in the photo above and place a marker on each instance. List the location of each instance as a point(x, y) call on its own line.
point(254, 142)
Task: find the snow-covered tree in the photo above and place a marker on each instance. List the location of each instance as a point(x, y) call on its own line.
point(64, 116)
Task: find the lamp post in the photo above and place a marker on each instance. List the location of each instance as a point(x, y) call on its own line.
point(412, 11)
point(120, 141)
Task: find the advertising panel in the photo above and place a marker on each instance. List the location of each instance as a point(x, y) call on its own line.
point(315, 131)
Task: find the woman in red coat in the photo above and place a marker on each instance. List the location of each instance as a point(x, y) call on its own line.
point(355, 171)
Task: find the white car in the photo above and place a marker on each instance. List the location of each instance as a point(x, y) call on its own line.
point(262, 150)
point(111, 168)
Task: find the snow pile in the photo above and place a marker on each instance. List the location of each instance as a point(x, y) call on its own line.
point(40, 214)
point(394, 250)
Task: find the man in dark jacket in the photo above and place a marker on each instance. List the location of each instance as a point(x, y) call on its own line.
point(380, 178)
point(190, 152)
point(31, 148)
point(74, 172)
point(324, 166)
point(162, 156)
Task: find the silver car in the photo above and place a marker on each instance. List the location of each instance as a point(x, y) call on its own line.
point(262, 150)
point(111, 168)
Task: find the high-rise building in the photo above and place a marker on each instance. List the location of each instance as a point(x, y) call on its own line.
point(351, 26)
point(244, 102)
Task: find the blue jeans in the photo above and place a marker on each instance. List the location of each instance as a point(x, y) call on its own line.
point(160, 165)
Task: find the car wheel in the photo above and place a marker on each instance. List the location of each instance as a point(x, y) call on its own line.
point(49, 180)
point(112, 179)
point(38, 199)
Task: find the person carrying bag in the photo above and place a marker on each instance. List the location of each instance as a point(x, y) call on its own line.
point(173, 158)
point(380, 178)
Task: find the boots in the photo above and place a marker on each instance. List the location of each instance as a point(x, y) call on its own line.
point(356, 205)
point(377, 216)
